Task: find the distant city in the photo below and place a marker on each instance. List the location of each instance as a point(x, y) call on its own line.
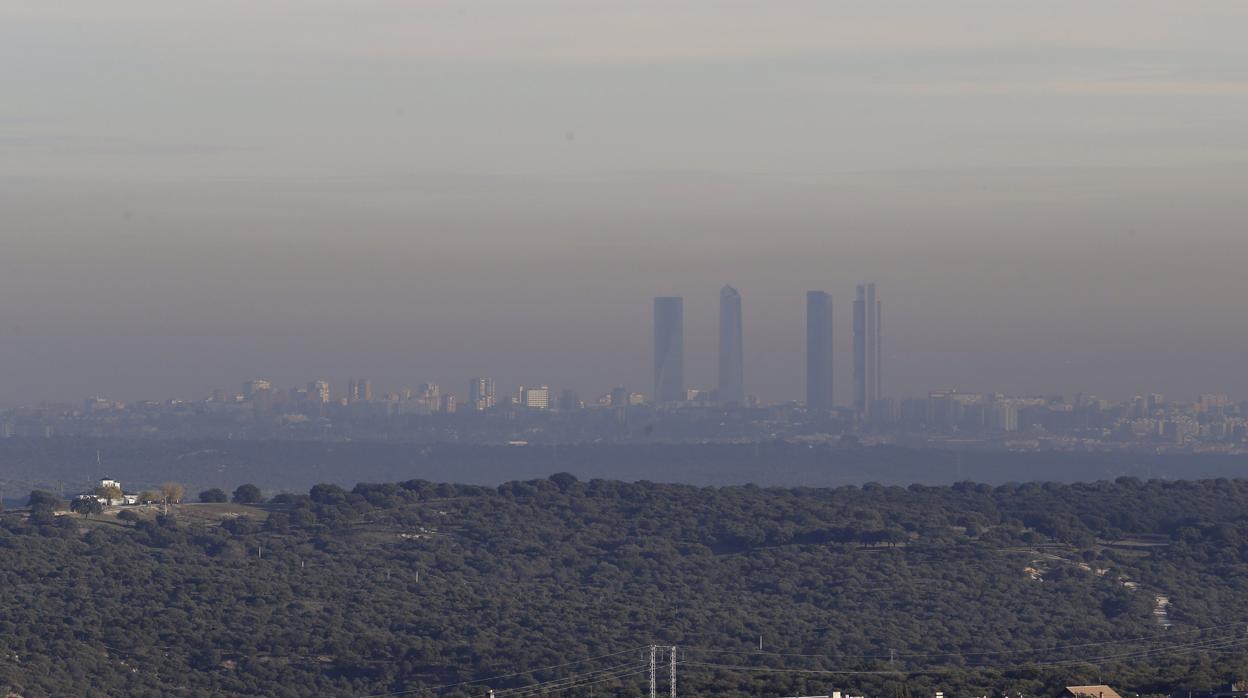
point(672, 411)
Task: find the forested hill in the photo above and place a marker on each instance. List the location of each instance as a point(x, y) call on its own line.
point(385, 589)
point(27, 463)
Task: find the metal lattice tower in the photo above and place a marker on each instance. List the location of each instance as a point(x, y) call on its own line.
point(653, 671)
point(673, 671)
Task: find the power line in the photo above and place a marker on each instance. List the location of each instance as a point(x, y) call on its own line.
point(1216, 644)
point(1204, 645)
point(986, 653)
point(618, 667)
point(1178, 648)
point(597, 681)
point(504, 676)
point(565, 684)
point(736, 667)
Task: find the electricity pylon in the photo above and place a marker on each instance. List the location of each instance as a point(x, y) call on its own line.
point(654, 670)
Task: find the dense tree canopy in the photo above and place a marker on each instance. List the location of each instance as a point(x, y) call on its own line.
point(216, 494)
point(42, 500)
point(109, 493)
point(969, 589)
point(86, 505)
point(248, 494)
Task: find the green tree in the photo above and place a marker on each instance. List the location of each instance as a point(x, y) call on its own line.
point(248, 494)
point(42, 500)
point(86, 505)
point(109, 493)
point(213, 495)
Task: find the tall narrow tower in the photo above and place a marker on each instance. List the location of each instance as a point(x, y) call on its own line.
point(867, 349)
point(818, 350)
point(669, 349)
point(481, 394)
point(731, 358)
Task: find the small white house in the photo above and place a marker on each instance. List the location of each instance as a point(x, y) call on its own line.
point(129, 499)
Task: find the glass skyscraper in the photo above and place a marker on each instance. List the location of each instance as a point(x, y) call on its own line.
point(867, 349)
point(481, 394)
point(818, 350)
point(669, 349)
point(731, 354)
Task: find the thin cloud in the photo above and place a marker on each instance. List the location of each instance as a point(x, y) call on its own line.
point(1103, 87)
point(646, 31)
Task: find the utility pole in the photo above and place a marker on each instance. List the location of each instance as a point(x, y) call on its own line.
point(654, 685)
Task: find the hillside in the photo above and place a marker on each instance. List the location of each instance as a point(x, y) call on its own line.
point(391, 588)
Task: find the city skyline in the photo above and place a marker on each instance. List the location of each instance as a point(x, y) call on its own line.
point(387, 309)
point(1151, 423)
point(481, 396)
point(1213, 421)
point(670, 363)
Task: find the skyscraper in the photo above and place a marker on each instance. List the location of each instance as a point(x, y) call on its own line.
point(569, 400)
point(537, 398)
point(429, 397)
point(731, 361)
point(867, 350)
point(258, 385)
point(669, 349)
point(359, 390)
point(481, 393)
point(818, 350)
point(619, 396)
point(318, 392)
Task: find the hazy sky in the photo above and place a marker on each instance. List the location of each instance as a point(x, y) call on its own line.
point(1050, 195)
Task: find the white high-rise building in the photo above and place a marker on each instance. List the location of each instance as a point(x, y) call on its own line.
point(535, 398)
